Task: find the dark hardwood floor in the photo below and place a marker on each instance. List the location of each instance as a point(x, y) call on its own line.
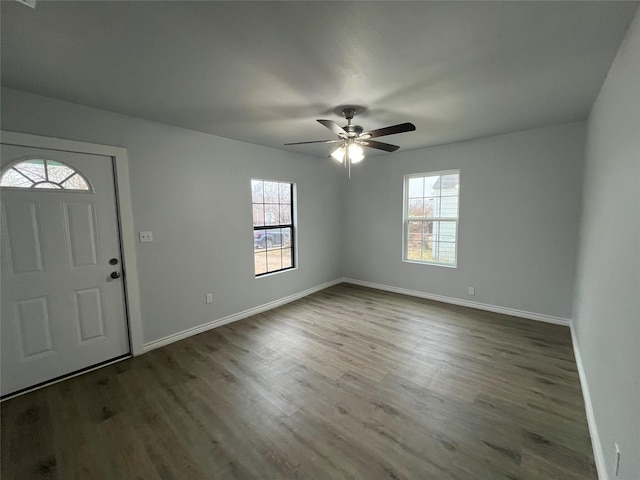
point(346, 383)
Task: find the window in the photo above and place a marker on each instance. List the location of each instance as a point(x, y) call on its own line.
point(431, 217)
point(43, 174)
point(273, 228)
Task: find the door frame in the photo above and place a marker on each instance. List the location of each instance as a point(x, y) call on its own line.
point(125, 217)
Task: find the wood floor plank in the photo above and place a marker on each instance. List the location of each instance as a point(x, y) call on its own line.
point(347, 383)
point(27, 443)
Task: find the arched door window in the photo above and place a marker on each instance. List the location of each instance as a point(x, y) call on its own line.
point(43, 174)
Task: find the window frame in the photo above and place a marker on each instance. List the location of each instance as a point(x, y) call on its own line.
point(291, 226)
point(406, 219)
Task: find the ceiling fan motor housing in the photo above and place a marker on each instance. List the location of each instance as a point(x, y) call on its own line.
point(353, 130)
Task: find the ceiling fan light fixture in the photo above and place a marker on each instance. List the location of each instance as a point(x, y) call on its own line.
point(356, 153)
point(338, 154)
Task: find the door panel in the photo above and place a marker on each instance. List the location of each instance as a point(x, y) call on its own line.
point(34, 327)
point(61, 310)
point(80, 233)
point(89, 314)
point(22, 226)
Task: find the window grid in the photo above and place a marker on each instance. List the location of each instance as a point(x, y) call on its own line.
point(273, 228)
point(43, 175)
point(431, 218)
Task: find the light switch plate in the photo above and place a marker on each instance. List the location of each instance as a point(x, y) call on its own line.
point(146, 237)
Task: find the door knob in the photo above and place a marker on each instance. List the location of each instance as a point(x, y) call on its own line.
point(115, 274)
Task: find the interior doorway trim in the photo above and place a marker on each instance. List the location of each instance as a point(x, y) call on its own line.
point(125, 216)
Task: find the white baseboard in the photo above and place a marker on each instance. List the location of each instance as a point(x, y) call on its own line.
point(235, 317)
point(598, 453)
point(465, 303)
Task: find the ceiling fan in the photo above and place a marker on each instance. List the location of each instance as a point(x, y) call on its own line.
point(353, 137)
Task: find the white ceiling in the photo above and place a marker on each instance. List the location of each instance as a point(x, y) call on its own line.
point(262, 72)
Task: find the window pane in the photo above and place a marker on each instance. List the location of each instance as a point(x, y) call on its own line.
point(34, 169)
point(444, 252)
point(274, 238)
point(274, 260)
point(415, 187)
point(259, 239)
point(450, 184)
point(414, 241)
point(285, 193)
point(53, 186)
point(285, 214)
point(287, 258)
point(448, 206)
point(271, 214)
point(260, 261)
point(414, 246)
point(415, 227)
point(286, 237)
point(427, 252)
point(76, 182)
point(11, 178)
point(434, 204)
point(257, 191)
point(271, 192)
point(258, 215)
point(413, 251)
point(58, 172)
point(416, 207)
point(432, 186)
point(428, 228)
point(444, 231)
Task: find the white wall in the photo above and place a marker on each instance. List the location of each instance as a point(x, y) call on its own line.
point(193, 191)
point(607, 300)
point(518, 228)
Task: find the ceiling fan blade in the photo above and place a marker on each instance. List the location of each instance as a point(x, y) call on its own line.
point(387, 147)
point(334, 127)
point(393, 129)
point(315, 141)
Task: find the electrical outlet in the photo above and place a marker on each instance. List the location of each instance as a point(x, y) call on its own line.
point(472, 291)
point(146, 237)
point(617, 463)
point(209, 298)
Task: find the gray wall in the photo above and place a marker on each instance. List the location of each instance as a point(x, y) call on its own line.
point(607, 300)
point(518, 229)
point(193, 191)
point(518, 215)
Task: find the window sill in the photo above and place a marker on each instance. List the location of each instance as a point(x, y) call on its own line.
point(271, 274)
point(435, 264)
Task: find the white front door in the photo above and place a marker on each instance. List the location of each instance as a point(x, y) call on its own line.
point(61, 309)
